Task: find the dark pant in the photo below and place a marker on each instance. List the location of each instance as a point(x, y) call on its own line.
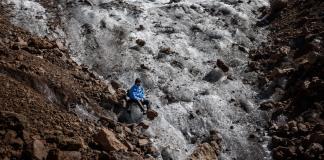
point(145, 102)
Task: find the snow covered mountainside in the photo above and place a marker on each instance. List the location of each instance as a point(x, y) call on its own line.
point(175, 47)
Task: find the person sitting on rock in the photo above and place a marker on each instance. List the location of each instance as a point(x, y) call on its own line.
point(136, 94)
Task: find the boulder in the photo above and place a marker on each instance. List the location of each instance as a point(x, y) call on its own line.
point(108, 141)
point(222, 65)
point(131, 115)
point(151, 114)
point(214, 75)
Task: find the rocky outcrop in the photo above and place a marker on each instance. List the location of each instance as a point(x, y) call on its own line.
point(51, 108)
point(291, 67)
point(108, 141)
point(209, 149)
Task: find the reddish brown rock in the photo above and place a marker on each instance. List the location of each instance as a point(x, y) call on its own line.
point(70, 144)
point(124, 156)
point(204, 151)
point(302, 127)
point(151, 114)
point(143, 142)
point(222, 65)
point(40, 43)
point(39, 150)
point(69, 155)
point(56, 154)
point(129, 146)
point(144, 124)
point(108, 141)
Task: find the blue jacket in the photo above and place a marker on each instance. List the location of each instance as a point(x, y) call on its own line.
point(136, 93)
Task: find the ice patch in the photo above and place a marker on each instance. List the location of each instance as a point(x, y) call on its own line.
point(29, 15)
point(183, 40)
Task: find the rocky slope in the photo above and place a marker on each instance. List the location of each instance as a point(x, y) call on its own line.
point(291, 73)
point(52, 108)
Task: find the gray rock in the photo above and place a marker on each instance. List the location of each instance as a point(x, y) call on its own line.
point(133, 115)
point(245, 105)
point(214, 75)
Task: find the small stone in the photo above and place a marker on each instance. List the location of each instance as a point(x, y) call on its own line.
point(166, 50)
point(20, 57)
point(140, 42)
point(39, 150)
point(129, 146)
point(40, 43)
point(284, 152)
point(292, 124)
point(115, 84)
point(9, 136)
point(151, 114)
point(246, 105)
point(17, 143)
point(70, 144)
point(145, 124)
point(267, 105)
point(69, 155)
point(60, 45)
point(152, 150)
point(143, 66)
point(284, 50)
point(243, 49)
point(140, 28)
point(143, 142)
point(302, 127)
point(127, 129)
point(222, 65)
